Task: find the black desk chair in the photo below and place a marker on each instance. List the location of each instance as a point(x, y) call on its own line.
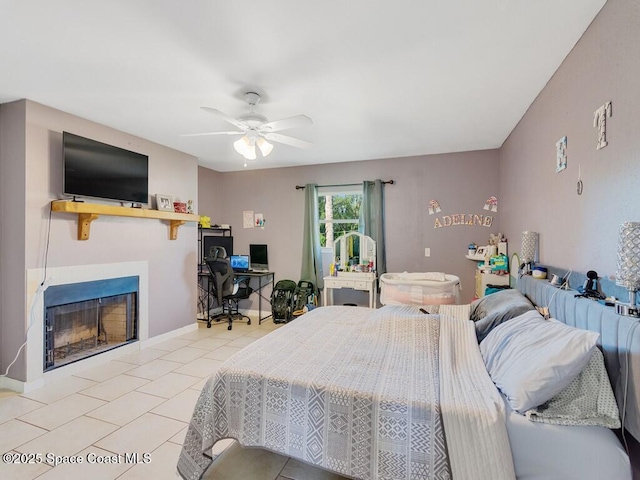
point(224, 284)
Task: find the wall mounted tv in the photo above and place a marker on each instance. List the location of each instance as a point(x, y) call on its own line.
point(97, 170)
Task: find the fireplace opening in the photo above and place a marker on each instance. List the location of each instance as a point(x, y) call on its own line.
point(85, 319)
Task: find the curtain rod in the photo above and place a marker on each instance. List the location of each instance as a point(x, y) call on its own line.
point(301, 187)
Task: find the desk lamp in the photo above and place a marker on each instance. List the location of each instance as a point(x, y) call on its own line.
point(528, 251)
point(628, 271)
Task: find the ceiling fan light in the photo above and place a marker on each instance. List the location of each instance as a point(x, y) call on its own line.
point(264, 146)
point(242, 145)
point(250, 152)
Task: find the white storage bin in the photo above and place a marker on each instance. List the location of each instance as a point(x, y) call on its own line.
point(430, 288)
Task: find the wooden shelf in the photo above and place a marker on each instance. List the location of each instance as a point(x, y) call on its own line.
point(88, 212)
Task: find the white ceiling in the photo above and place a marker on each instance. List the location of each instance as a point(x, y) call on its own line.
point(379, 78)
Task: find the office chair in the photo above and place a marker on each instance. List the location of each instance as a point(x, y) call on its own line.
point(229, 288)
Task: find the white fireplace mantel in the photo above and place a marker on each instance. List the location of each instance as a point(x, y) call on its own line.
point(34, 316)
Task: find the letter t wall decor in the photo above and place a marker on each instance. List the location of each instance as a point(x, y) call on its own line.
point(600, 122)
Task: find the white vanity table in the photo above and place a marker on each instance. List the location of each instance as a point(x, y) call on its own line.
point(356, 280)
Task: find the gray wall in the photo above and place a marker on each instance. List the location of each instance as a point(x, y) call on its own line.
point(210, 198)
point(461, 182)
point(580, 232)
point(12, 228)
point(32, 177)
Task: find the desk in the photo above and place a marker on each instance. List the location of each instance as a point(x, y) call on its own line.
point(269, 277)
point(353, 280)
point(205, 287)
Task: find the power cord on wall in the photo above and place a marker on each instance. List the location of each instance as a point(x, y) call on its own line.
point(565, 285)
point(39, 291)
point(544, 311)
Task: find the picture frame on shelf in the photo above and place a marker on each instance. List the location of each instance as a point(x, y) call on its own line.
point(164, 203)
point(179, 207)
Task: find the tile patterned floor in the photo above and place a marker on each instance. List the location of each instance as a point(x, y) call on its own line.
point(141, 403)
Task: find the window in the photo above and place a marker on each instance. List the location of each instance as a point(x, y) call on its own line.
point(339, 212)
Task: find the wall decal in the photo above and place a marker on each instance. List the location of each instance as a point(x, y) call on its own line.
point(463, 219)
point(561, 154)
point(491, 204)
point(600, 122)
point(434, 207)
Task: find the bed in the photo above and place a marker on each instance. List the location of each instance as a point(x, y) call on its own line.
point(394, 393)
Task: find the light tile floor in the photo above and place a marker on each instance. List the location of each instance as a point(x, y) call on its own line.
point(140, 404)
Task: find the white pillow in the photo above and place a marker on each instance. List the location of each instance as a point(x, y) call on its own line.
point(531, 359)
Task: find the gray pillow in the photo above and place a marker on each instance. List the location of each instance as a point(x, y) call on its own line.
point(490, 311)
point(531, 359)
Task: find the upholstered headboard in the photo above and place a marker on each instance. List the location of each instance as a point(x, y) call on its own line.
point(619, 340)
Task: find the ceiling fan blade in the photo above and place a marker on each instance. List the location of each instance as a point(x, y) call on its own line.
point(294, 142)
point(285, 123)
point(210, 133)
point(228, 118)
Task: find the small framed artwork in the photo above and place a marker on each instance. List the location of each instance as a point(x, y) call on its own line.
point(179, 207)
point(164, 202)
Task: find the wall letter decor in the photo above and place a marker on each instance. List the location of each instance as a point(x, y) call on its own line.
point(600, 121)
point(561, 154)
point(463, 219)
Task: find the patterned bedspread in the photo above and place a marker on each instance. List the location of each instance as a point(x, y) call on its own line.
point(352, 390)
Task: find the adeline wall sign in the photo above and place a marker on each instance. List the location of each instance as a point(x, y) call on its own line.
point(464, 219)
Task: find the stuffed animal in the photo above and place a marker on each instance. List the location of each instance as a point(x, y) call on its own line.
point(495, 239)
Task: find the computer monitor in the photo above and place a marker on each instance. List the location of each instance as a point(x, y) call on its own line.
point(259, 259)
point(239, 263)
point(209, 241)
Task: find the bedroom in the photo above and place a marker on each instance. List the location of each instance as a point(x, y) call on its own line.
point(578, 232)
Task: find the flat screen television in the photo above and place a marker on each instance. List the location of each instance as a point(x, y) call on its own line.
point(97, 170)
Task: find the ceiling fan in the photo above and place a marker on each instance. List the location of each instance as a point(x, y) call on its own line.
point(256, 130)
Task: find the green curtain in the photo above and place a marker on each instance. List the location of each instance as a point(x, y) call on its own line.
point(311, 254)
point(372, 219)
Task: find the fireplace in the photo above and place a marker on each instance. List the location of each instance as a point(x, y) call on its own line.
point(88, 318)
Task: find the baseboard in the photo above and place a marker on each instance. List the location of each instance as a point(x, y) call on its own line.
point(169, 335)
point(14, 385)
